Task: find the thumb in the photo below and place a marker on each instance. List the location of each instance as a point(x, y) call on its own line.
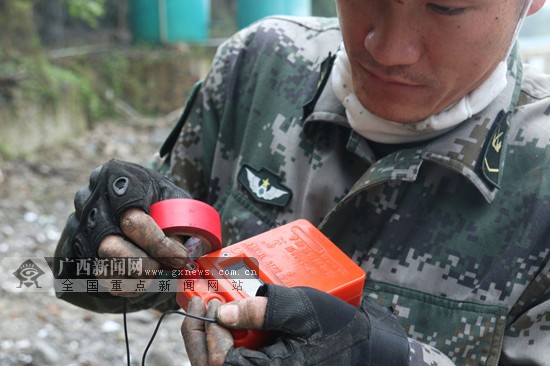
point(247, 313)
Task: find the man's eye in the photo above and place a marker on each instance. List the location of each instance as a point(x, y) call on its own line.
point(443, 10)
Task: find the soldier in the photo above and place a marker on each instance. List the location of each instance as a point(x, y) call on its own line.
point(413, 136)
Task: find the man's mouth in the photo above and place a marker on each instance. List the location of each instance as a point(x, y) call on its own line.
point(390, 81)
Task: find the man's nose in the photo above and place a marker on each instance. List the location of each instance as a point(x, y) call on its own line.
point(394, 40)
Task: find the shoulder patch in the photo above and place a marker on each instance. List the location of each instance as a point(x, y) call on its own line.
point(264, 186)
point(493, 150)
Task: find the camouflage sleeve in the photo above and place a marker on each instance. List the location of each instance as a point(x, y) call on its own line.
point(527, 339)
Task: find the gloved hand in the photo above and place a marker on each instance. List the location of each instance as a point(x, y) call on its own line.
point(111, 217)
point(315, 328)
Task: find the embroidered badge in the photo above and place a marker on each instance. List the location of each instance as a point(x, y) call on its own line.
point(493, 150)
point(264, 186)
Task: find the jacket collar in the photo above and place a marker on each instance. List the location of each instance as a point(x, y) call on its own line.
point(474, 149)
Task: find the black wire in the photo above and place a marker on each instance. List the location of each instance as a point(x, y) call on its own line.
point(126, 334)
point(126, 338)
point(210, 320)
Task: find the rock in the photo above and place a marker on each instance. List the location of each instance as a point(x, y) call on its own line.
point(30, 216)
point(43, 354)
point(110, 326)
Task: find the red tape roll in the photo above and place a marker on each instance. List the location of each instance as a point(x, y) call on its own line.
point(190, 217)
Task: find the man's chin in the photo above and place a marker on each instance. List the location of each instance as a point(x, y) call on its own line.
point(397, 109)
point(398, 115)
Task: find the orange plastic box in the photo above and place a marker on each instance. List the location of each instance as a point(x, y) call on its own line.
point(296, 254)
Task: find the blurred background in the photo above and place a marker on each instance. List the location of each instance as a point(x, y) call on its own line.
point(98, 59)
point(83, 81)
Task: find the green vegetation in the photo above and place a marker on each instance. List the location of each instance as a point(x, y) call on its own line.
point(34, 75)
point(25, 69)
point(90, 11)
point(30, 75)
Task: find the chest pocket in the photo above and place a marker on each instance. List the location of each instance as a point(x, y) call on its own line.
point(468, 333)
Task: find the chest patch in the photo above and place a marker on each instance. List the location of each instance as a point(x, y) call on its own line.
point(264, 186)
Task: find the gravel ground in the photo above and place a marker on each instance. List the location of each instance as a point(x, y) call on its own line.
point(36, 197)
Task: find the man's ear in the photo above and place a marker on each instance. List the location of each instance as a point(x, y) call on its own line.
point(535, 6)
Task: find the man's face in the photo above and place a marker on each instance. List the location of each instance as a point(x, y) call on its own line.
point(411, 59)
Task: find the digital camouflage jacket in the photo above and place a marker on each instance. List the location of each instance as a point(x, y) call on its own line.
point(453, 233)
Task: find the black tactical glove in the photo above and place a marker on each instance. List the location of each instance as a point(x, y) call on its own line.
point(114, 187)
point(319, 329)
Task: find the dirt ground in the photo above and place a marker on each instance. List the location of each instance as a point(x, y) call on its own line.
point(36, 196)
